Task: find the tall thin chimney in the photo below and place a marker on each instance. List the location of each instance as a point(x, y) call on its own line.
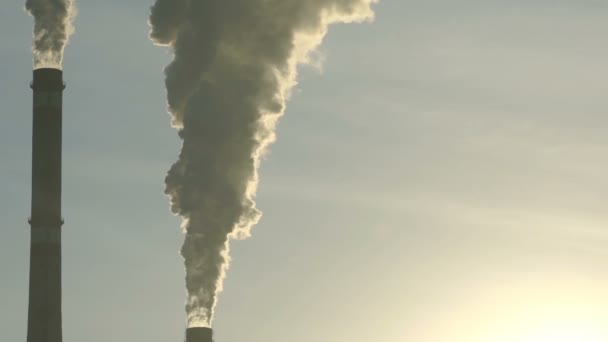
point(197, 334)
point(44, 312)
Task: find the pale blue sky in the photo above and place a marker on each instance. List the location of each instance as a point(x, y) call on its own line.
point(442, 179)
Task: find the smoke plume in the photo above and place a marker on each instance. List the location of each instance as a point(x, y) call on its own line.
point(234, 65)
point(52, 29)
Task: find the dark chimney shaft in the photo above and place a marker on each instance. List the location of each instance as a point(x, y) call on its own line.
point(199, 335)
point(44, 312)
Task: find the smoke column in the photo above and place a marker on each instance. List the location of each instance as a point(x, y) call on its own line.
point(52, 29)
point(234, 65)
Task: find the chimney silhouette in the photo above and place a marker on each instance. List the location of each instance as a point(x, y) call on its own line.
point(44, 311)
point(199, 335)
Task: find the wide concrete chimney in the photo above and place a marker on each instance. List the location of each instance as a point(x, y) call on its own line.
point(199, 335)
point(44, 312)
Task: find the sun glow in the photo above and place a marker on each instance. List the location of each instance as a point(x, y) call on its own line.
point(561, 334)
point(552, 322)
point(555, 332)
point(562, 308)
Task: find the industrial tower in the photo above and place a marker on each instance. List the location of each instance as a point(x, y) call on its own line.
point(44, 311)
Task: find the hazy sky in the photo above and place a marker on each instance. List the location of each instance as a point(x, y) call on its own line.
point(443, 178)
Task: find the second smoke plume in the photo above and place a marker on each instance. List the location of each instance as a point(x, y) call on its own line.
point(234, 66)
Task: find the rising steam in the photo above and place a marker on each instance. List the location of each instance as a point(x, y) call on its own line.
point(234, 65)
point(52, 29)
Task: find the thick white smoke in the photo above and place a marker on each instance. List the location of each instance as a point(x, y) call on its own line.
point(52, 30)
point(235, 64)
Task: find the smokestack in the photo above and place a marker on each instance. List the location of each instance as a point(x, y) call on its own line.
point(44, 313)
point(199, 335)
